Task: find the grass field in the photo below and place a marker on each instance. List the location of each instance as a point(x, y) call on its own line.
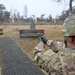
point(28, 44)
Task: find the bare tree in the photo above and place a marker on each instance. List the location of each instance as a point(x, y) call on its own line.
point(25, 11)
point(70, 5)
point(42, 16)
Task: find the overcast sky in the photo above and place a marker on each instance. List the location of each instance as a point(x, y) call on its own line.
point(35, 7)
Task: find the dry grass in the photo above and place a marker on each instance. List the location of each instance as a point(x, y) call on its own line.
point(28, 44)
point(52, 31)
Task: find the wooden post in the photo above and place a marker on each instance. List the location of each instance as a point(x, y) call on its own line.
point(32, 25)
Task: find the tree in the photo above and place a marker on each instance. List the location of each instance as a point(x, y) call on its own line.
point(50, 17)
point(65, 14)
point(16, 15)
point(25, 11)
point(42, 16)
point(4, 15)
point(2, 9)
point(70, 5)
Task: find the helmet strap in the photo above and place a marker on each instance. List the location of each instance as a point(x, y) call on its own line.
point(65, 42)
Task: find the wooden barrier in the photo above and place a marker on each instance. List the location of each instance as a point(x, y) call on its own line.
point(31, 33)
point(1, 31)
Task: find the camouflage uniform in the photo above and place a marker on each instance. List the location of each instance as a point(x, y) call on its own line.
point(38, 50)
point(43, 57)
point(50, 61)
point(58, 60)
point(55, 45)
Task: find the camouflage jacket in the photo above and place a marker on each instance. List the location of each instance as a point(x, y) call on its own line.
point(38, 50)
point(54, 45)
point(60, 63)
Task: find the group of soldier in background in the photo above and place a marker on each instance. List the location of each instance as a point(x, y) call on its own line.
point(60, 58)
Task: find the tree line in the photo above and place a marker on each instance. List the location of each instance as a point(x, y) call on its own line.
point(7, 17)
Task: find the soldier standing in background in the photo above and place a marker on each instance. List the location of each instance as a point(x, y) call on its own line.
point(60, 58)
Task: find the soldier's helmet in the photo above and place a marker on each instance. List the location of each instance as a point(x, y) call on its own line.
point(69, 26)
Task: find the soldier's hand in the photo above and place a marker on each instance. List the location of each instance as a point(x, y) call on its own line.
point(43, 39)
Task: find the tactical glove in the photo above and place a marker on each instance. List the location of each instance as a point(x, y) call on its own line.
point(43, 39)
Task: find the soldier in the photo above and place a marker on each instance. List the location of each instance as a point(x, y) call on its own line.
point(60, 58)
